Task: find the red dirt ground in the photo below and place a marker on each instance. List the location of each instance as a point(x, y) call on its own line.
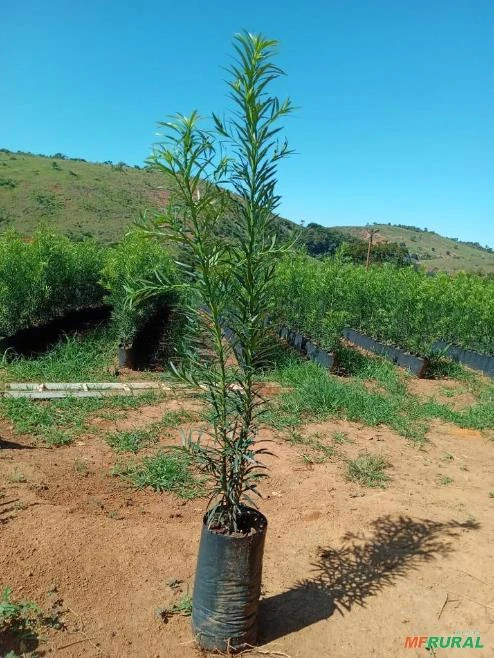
point(348, 571)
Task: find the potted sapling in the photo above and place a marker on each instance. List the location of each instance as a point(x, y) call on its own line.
point(223, 180)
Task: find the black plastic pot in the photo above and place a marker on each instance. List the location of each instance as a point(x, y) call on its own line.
point(323, 358)
point(476, 360)
point(228, 585)
point(299, 341)
point(310, 348)
point(126, 357)
point(284, 332)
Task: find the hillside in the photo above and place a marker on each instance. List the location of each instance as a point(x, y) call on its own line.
point(75, 196)
point(103, 199)
point(432, 250)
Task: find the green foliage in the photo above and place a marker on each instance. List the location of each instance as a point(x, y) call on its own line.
point(8, 182)
point(176, 418)
point(322, 241)
point(166, 471)
point(58, 422)
point(229, 281)
point(376, 395)
point(21, 623)
point(79, 358)
point(44, 278)
point(18, 618)
point(368, 470)
point(132, 440)
point(432, 249)
point(382, 252)
point(183, 607)
point(127, 267)
point(402, 306)
point(315, 395)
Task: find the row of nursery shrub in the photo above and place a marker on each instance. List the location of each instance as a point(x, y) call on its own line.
point(403, 306)
point(45, 277)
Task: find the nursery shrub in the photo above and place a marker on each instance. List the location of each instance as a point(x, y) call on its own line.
point(403, 306)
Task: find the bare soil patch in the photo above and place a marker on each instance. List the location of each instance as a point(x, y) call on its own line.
point(446, 391)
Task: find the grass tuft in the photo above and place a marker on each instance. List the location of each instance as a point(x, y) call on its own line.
point(172, 419)
point(316, 395)
point(133, 440)
point(58, 422)
point(166, 471)
point(79, 358)
point(368, 470)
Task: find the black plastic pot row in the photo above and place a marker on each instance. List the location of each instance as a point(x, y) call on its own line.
point(307, 347)
point(416, 364)
point(476, 360)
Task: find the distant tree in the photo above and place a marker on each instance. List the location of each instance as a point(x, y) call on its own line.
point(382, 252)
point(370, 234)
point(323, 241)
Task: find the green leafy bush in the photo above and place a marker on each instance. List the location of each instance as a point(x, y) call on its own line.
point(130, 264)
point(45, 277)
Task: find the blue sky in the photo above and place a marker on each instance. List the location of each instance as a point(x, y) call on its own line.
point(396, 97)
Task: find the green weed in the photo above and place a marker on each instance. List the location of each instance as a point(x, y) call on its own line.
point(79, 358)
point(19, 621)
point(166, 471)
point(133, 440)
point(368, 470)
point(319, 451)
point(341, 438)
point(315, 395)
point(172, 419)
point(183, 608)
point(58, 422)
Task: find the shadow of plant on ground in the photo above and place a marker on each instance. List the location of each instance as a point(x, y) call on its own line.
point(361, 568)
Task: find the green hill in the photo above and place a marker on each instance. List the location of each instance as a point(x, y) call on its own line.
point(432, 250)
point(103, 199)
point(74, 196)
